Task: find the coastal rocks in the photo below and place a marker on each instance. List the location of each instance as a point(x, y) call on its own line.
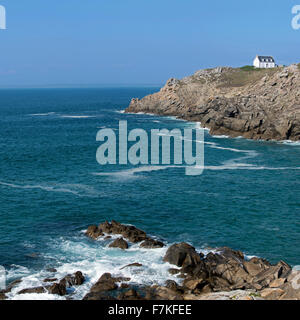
point(94, 232)
point(58, 288)
point(130, 294)
point(255, 104)
point(151, 244)
point(182, 255)
point(162, 293)
point(225, 295)
point(105, 283)
point(224, 270)
point(33, 290)
point(131, 233)
point(75, 279)
point(119, 243)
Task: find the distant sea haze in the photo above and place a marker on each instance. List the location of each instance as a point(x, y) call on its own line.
point(52, 188)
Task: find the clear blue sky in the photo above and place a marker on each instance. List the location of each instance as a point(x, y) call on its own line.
point(138, 41)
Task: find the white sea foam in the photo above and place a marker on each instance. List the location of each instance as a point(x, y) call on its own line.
point(291, 143)
point(42, 114)
point(131, 173)
point(76, 116)
point(75, 189)
point(94, 260)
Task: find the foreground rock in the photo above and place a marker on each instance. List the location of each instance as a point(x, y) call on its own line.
point(228, 270)
point(255, 104)
point(105, 284)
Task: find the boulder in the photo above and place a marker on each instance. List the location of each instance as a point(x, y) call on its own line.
point(75, 279)
point(131, 233)
point(277, 283)
point(151, 244)
point(172, 285)
point(58, 288)
point(119, 243)
point(182, 255)
point(106, 283)
point(271, 293)
point(33, 290)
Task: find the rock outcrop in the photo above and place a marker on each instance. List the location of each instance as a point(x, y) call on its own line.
point(131, 233)
point(253, 103)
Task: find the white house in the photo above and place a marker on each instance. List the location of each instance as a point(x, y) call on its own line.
point(264, 62)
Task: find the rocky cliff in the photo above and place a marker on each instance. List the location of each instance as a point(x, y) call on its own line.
point(253, 103)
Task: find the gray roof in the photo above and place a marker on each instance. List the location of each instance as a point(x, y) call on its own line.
point(266, 59)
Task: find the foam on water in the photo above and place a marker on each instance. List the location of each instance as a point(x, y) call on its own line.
point(94, 260)
point(79, 190)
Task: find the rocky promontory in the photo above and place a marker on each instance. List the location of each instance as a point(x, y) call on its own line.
point(253, 103)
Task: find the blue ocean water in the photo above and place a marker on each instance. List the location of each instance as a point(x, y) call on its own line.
point(52, 188)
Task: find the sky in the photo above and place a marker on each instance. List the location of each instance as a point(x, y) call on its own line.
point(138, 42)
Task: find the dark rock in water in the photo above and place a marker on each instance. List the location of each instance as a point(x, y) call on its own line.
point(50, 280)
point(94, 232)
point(119, 243)
point(151, 244)
point(34, 290)
point(107, 238)
point(75, 279)
point(131, 233)
point(182, 255)
point(58, 288)
point(136, 264)
point(51, 270)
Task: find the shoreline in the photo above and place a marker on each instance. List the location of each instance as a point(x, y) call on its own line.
point(216, 136)
point(191, 274)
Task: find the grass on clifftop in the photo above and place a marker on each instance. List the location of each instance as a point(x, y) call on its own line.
point(244, 76)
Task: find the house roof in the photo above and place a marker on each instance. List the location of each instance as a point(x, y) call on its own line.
point(266, 59)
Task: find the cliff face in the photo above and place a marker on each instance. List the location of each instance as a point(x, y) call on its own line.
point(253, 103)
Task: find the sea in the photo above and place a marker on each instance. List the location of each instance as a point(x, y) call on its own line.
point(52, 188)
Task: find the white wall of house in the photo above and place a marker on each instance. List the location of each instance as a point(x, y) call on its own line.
point(258, 64)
